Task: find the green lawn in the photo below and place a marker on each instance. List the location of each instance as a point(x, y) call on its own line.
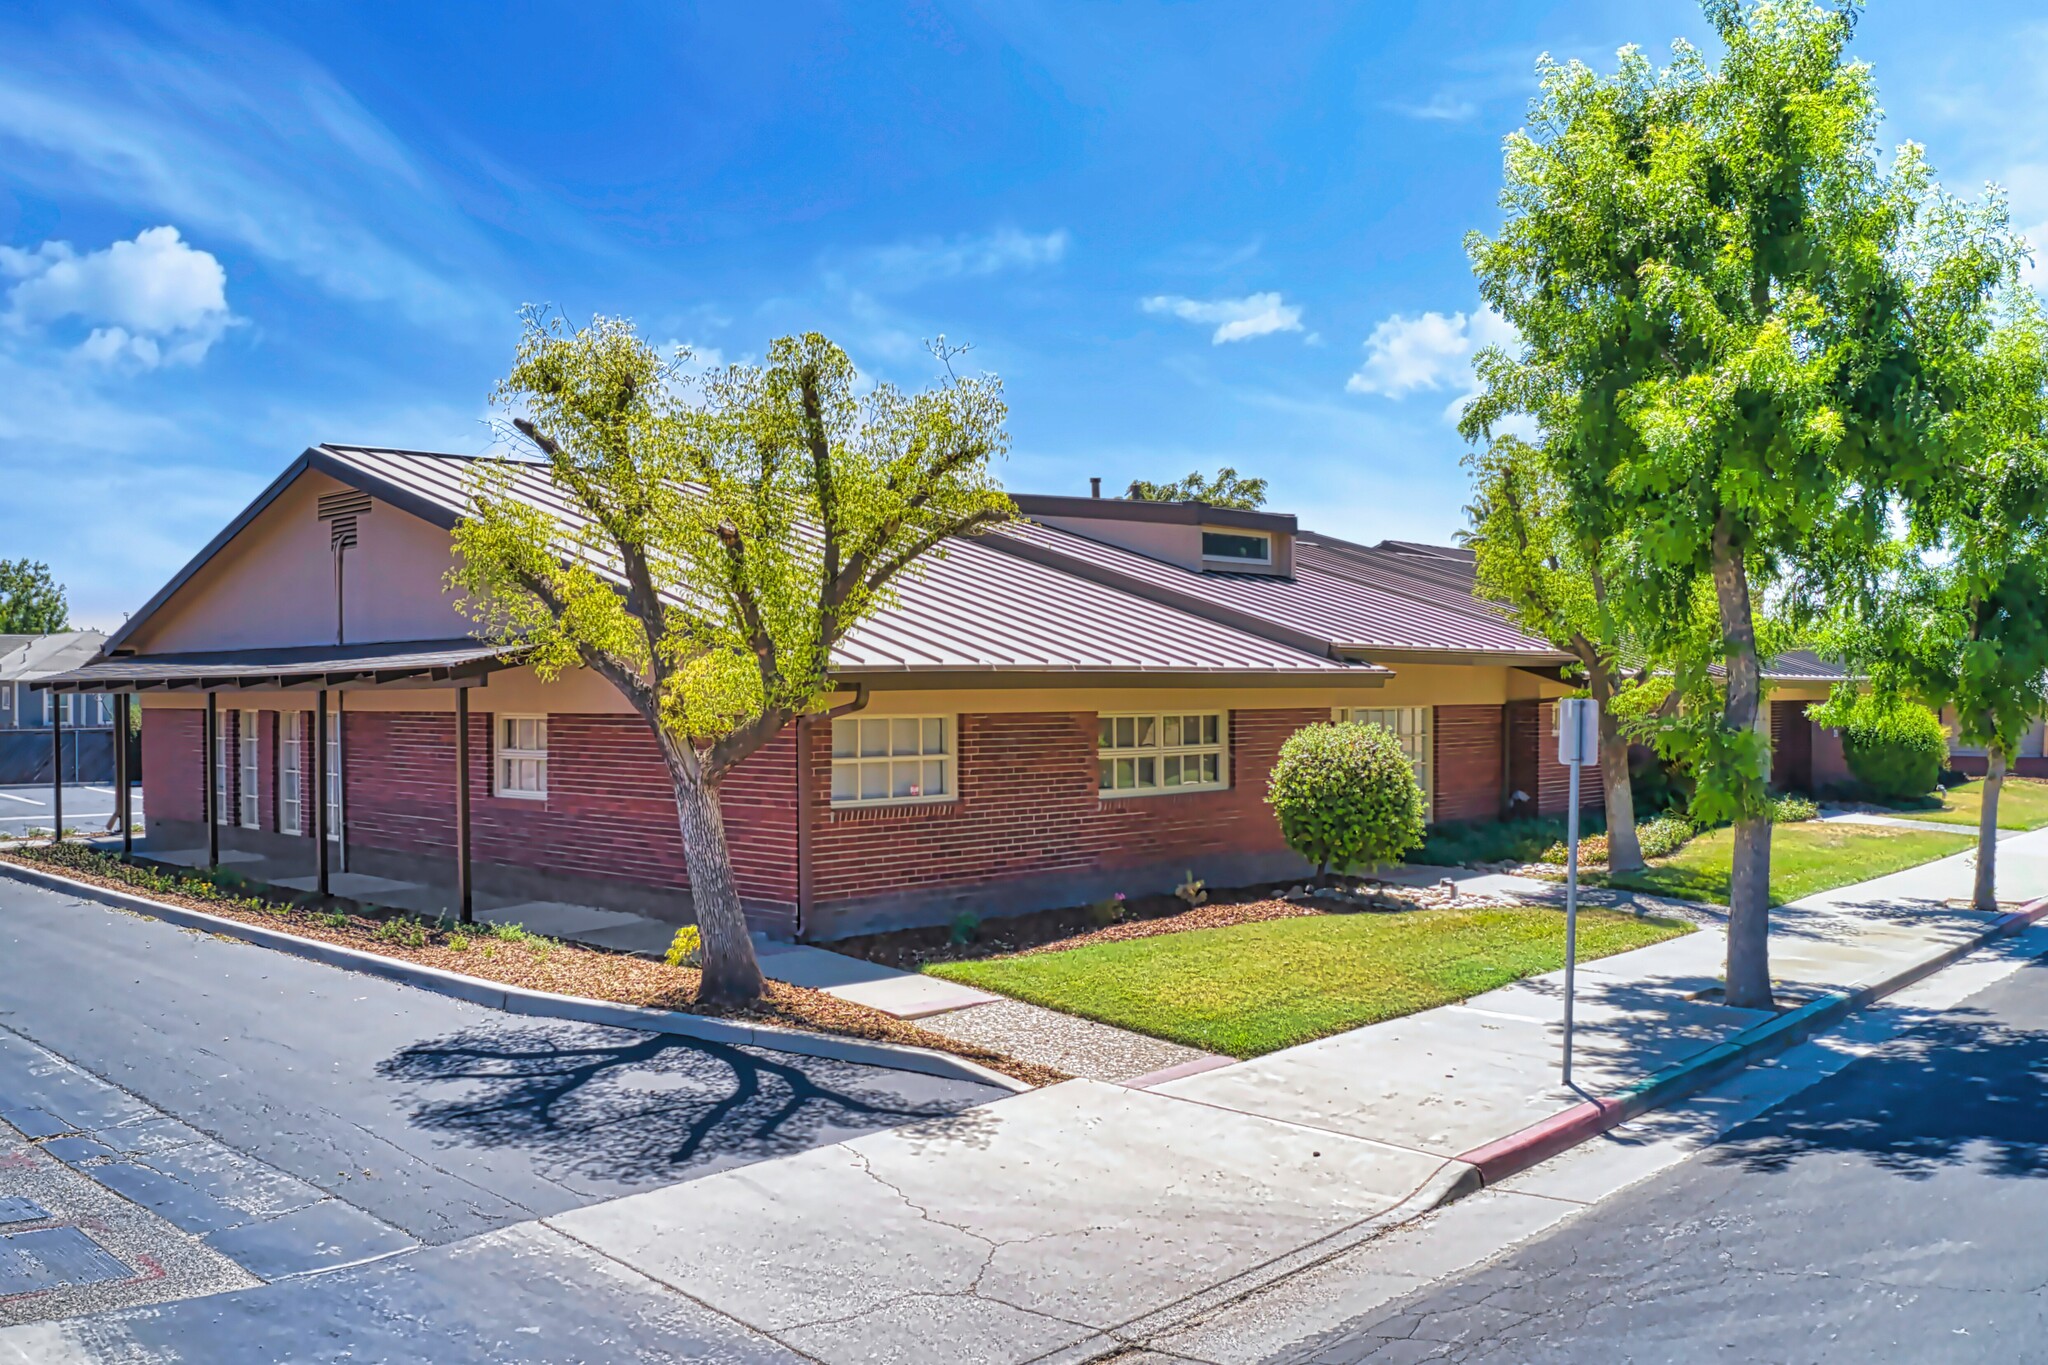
point(1806, 857)
point(1251, 988)
point(2022, 804)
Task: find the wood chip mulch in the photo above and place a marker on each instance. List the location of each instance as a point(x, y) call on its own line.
point(526, 961)
point(1197, 917)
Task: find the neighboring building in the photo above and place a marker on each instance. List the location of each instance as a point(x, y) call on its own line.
point(27, 715)
point(1086, 703)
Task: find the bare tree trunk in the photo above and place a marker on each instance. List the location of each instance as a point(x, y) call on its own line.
point(1624, 850)
point(732, 976)
point(1985, 897)
point(1749, 882)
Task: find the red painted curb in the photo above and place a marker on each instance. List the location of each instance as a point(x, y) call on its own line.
point(1561, 1132)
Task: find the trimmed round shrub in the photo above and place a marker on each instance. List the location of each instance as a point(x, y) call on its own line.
point(1346, 796)
point(1896, 751)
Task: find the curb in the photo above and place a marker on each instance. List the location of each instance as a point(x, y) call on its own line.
point(539, 1004)
point(1540, 1141)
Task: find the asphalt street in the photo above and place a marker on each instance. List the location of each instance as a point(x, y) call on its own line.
point(1893, 1212)
point(86, 808)
point(443, 1119)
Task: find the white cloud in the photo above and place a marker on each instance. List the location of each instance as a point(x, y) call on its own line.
point(1432, 351)
point(1254, 315)
point(909, 265)
point(152, 301)
point(1442, 107)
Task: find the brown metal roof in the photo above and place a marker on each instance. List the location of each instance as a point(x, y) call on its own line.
point(1335, 600)
point(418, 662)
point(973, 612)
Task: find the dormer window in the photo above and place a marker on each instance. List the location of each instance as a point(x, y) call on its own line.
point(1237, 547)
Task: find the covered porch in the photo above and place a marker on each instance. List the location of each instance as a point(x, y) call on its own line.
point(311, 852)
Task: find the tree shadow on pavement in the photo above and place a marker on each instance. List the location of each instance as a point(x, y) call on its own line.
point(1958, 1088)
point(630, 1108)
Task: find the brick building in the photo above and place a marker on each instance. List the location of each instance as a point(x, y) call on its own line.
point(1083, 703)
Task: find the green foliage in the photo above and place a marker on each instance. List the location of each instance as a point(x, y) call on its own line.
point(403, 930)
point(1658, 837)
point(1462, 843)
point(31, 602)
point(1346, 796)
point(1741, 337)
point(965, 928)
point(1104, 912)
point(686, 949)
point(729, 531)
point(1227, 489)
point(1895, 748)
point(1793, 809)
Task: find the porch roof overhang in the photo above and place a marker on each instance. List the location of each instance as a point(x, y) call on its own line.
point(413, 663)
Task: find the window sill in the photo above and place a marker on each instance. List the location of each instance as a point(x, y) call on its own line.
point(1147, 794)
point(909, 807)
point(539, 798)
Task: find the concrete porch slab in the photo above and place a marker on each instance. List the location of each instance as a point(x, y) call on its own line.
point(558, 919)
point(357, 886)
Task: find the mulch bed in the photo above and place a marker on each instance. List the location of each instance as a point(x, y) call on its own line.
point(510, 958)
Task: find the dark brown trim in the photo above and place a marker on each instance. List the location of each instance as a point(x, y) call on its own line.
point(1172, 513)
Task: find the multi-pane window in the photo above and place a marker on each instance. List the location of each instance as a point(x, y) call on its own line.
point(223, 753)
point(247, 733)
point(523, 757)
point(1410, 725)
point(883, 759)
point(334, 786)
point(290, 755)
point(1176, 751)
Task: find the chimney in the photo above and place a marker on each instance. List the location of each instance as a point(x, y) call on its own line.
point(1095, 488)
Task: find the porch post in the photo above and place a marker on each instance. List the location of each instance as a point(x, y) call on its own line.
point(122, 704)
point(212, 729)
point(51, 700)
point(320, 795)
point(463, 885)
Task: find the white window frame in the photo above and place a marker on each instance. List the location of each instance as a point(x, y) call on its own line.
point(505, 753)
point(335, 811)
point(221, 753)
point(1247, 533)
point(1140, 738)
point(291, 772)
point(1415, 727)
point(249, 786)
point(903, 751)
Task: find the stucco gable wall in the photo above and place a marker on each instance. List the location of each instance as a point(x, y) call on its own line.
point(274, 583)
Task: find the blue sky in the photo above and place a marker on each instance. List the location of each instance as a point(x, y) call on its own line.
point(1185, 234)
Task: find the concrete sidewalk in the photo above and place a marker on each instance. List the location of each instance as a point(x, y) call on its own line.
point(1056, 1224)
point(1061, 1224)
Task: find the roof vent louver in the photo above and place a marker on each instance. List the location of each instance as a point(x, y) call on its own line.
point(340, 511)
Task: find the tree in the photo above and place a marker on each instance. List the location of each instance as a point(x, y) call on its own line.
point(1735, 331)
point(1959, 618)
point(1539, 560)
point(713, 547)
point(1346, 796)
point(1225, 490)
point(31, 602)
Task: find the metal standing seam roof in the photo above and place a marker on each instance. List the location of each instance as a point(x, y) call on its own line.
point(1338, 608)
point(972, 610)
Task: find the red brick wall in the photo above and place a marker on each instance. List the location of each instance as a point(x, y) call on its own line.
point(1533, 767)
point(1028, 807)
point(173, 777)
point(609, 812)
point(1467, 762)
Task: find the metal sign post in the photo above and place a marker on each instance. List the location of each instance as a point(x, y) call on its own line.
point(1578, 743)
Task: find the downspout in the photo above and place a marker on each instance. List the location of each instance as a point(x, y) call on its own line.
point(806, 790)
